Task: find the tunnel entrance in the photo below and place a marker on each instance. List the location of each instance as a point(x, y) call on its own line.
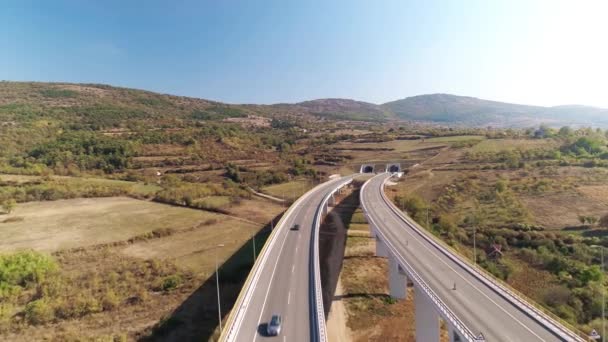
point(366, 168)
point(394, 168)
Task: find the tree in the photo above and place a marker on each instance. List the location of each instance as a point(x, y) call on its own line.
point(566, 131)
point(604, 221)
point(9, 205)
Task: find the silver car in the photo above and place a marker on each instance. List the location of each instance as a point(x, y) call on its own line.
point(274, 326)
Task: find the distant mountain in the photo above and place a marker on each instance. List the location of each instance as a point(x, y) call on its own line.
point(342, 109)
point(101, 106)
point(469, 111)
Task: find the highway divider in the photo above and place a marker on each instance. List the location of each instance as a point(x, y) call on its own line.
point(318, 325)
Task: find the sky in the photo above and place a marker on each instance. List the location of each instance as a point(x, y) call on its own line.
point(538, 52)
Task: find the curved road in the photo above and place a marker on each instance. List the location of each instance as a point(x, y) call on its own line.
point(479, 307)
point(284, 284)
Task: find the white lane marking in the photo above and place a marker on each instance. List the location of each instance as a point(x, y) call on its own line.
point(423, 244)
point(288, 297)
point(270, 284)
point(284, 338)
point(293, 267)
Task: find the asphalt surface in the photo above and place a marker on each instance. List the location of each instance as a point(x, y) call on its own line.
point(479, 307)
point(284, 285)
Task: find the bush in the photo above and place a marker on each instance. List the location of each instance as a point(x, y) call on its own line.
point(110, 301)
point(169, 283)
point(24, 269)
point(604, 221)
point(39, 312)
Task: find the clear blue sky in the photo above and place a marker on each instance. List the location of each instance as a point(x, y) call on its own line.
point(544, 52)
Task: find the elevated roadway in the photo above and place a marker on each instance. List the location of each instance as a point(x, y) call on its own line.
point(477, 305)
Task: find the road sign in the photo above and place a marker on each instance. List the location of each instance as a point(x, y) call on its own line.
point(594, 335)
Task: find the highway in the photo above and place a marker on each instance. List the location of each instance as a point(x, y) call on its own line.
point(284, 283)
point(478, 306)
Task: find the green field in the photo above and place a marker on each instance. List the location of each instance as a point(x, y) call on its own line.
point(290, 190)
point(497, 145)
point(145, 189)
point(456, 138)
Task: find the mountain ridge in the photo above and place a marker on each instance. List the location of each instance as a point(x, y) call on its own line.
point(438, 108)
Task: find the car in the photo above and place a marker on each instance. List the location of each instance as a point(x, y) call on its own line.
point(274, 326)
point(295, 227)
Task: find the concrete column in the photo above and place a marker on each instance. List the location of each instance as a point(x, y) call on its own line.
point(427, 320)
point(381, 250)
point(372, 231)
point(397, 279)
point(453, 334)
point(332, 200)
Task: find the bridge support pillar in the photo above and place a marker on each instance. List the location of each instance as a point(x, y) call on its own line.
point(453, 335)
point(332, 200)
point(427, 320)
point(397, 279)
point(372, 231)
point(381, 250)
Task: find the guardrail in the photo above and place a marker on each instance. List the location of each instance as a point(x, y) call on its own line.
point(542, 317)
point(448, 314)
point(233, 323)
point(319, 333)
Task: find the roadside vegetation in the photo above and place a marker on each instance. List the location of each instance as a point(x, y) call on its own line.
point(534, 210)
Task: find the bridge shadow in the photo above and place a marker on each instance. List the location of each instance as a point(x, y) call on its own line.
point(332, 244)
point(362, 256)
point(362, 295)
point(196, 319)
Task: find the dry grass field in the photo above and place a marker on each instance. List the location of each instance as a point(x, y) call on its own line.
point(54, 225)
point(140, 242)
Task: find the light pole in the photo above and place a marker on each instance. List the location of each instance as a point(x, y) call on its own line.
point(601, 248)
point(217, 285)
point(474, 246)
point(253, 241)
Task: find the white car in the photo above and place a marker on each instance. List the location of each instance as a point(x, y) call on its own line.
point(274, 326)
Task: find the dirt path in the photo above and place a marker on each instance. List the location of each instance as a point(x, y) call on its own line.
point(337, 330)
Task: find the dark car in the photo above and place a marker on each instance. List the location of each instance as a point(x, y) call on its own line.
point(274, 326)
point(295, 227)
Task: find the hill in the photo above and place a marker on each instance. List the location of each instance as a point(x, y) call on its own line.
point(469, 111)
point(345, 109)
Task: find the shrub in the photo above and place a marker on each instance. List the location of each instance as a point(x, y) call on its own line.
point(39, 312)
point(110, 300)
point(25, 268)
point(604, 221)
point(169, 283)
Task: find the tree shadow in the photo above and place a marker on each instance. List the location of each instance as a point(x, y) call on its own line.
point(332, 244)
point(196, 319)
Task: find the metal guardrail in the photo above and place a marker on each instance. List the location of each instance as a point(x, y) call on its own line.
point(233, 323)
point(319, 325)
point(542, 317)
point(448, 314)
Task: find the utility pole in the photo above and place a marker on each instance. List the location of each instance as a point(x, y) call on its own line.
point(601, 248)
